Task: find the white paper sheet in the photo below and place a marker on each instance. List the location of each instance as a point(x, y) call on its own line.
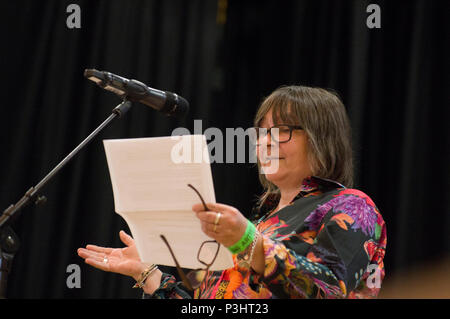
point(149, 181)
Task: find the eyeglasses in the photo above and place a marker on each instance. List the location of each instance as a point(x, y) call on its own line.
point(281, 133)
point(194, 278)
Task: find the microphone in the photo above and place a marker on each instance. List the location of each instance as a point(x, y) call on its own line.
point(165, 102)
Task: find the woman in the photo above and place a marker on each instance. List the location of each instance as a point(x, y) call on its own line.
point(314, 238)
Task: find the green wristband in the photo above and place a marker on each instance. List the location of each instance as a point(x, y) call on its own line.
point(245, 240)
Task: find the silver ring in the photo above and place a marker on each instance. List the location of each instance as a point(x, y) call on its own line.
point(105, 260)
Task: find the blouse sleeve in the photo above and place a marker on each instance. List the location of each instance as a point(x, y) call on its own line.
point(343, 257)
point(169, 289)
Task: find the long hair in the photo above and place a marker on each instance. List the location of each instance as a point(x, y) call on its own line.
point(322, 115)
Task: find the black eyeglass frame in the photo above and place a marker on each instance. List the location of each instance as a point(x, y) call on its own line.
point(269, 131)
point(183, 276)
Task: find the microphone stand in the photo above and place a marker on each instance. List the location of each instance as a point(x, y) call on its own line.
point(9, 241)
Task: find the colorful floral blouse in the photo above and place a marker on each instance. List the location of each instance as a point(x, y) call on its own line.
point(328, 243)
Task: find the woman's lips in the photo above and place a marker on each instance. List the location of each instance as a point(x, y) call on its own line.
point(268, 159)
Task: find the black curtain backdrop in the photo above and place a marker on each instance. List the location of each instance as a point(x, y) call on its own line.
point(224, 57)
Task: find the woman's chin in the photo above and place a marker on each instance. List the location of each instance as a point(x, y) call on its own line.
point(272, 174)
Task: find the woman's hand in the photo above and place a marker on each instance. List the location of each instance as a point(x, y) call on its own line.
point(230, 227)
point(124, 261)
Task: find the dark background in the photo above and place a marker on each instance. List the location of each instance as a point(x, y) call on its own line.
point(394, 82)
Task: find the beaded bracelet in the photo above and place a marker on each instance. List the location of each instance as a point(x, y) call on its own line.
point(252, 249)
point(245, 240)
point(245, 261)
point(144, 275)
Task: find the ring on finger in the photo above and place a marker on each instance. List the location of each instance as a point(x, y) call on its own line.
point(105, 259)
point(216, 221)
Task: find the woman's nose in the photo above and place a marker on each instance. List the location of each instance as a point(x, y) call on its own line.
point(266, 145)
point(266, 139)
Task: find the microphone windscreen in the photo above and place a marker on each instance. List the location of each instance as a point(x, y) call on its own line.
point(183, 108)
point(175, 106)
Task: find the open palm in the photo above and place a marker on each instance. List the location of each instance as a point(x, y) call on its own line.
point(123, 261)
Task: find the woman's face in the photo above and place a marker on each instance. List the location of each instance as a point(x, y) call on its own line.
point(284, 164)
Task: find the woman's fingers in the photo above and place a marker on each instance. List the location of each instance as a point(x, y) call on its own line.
point(86, 253)
point(126, 239)
point(219, 207)
point(94, 258)
point(83, 253)
point(224, 223)
point(99, 249)
point(211, 206)
point(209, 217)
point(198, 207)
